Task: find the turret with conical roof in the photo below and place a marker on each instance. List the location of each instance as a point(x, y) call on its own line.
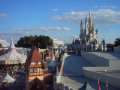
point(90, 24)
point(36, 69)
point(36, 55)
point(36, 65)
point(81, 29)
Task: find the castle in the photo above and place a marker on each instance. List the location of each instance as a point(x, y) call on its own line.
point(88, 36)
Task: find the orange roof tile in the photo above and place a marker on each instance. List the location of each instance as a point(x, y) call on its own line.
point(36, 55)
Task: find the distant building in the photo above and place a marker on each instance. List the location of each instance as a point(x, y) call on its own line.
point(52, 64)
point(88, 35)
point(88, 40)
point(57, 43)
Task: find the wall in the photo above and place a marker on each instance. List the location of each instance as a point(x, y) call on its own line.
point(95, 59)
point(101, 59)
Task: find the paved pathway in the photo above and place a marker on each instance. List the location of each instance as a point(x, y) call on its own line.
point(73, 76)
point(73, 65)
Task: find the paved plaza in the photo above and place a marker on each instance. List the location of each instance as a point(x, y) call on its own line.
point(73, 76)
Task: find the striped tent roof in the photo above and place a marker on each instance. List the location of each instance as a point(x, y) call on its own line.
point(8, 79)
point(12, 56)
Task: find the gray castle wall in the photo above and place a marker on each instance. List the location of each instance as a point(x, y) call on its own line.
point(101, 59)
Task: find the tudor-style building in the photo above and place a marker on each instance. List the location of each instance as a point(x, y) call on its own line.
point(37, 77)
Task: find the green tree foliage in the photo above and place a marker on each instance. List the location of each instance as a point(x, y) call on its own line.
point(38, 41)
point(1, 45)
point(117, 42)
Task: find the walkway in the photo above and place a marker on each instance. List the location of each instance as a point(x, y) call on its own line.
point(72, 73)
point(73, 76)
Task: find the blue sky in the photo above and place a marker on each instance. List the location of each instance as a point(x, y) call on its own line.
point(59, 18)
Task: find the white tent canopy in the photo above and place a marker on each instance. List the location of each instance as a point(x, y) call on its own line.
point(12, 56)
point(8, 79)
point(4, 43)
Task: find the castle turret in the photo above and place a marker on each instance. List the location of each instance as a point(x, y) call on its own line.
point(90, 24)
point(85, 26)
point(81, 29)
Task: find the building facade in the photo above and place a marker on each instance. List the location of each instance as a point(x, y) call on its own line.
point(38, 77)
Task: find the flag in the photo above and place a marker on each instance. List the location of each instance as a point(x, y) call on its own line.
point(106, 85)
point(99, 85)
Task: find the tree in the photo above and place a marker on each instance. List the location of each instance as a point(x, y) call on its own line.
point(117, 42)
point(1, 45)
point(38, 41)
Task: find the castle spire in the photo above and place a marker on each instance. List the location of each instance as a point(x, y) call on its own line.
point(81, 29)
point(85, 25)
point(85, 22)
point(90, 24)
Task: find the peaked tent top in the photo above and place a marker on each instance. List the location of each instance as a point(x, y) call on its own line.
point(4, 43)
point(12, 56)
point(8, 79)
point(12, 46)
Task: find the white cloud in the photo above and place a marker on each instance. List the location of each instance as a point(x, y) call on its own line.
point(57, 28)
point(100, 16)
point(42, 29)
point(55, 9)
point(2, 14)
point(106, 6)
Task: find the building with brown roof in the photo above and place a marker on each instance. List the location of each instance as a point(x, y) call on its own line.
point(37, 72)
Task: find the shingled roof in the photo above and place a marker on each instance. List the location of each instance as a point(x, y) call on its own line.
point(36, 55)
